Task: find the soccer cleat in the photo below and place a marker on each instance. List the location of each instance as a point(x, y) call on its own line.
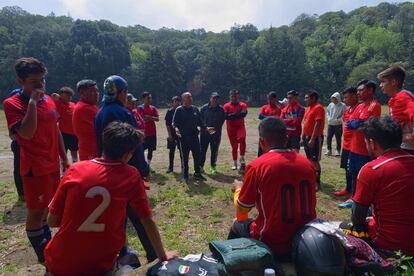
point(169, 170)
point(328, 153)
point(346, 204)
point(198, 176)
point(213, 170)
point(341, 193)
point(338, 153)
point(234, 167)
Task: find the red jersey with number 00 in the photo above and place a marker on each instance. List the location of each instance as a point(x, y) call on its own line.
point(281, 185)
point(39, 155)
point(312, 114)
point(65, 111)
point(91, 201)
point(363, 112)
point(387, 183)
point(230, 108)
point(84, 127)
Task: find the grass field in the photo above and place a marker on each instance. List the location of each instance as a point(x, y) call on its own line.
point(188, 215)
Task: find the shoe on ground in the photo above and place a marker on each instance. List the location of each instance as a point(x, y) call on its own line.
point(234, 167)
point(338, 153)
point(213, 170)
point(185, 178)
point(202, 170)
point(342, 193)
point(242, 168)
point(346, 204)
point(198, 176)
point(169, 170)
point(328, 153)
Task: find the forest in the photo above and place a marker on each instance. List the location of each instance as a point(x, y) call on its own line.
point(325, 52)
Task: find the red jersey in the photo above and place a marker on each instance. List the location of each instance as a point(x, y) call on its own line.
point(313, 114)
point(65, 111)
point(292, 115)
point(235, 109)
point(272, 111)
point(139, 119)
point(91, 201)
point(387, 184)
point(39, 155)
point(363, 112)
point(347, 133)
point(84, 127)
point(281, 184)
point(402, 110)
point(150, 129)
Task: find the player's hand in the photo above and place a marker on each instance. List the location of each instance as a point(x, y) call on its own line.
point(211, 130)
point(237, 184)
point(177, 131)
point(37, 94)
point(169, 139)
point(171, 255)
point(311, 143)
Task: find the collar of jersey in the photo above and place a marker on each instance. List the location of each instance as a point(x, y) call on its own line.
point(106, 162)
point(26, 98)
point(280, 150)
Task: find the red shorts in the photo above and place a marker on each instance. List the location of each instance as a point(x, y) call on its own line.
point(39, 190)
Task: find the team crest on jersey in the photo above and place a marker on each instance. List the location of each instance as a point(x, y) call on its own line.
point(183, 269)
point(164, 266)
point(54, 113)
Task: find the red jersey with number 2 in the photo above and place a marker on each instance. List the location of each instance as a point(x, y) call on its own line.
point(281, 185)
point(91, 201)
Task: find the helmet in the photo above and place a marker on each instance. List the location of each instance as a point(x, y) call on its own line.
point(316, 253)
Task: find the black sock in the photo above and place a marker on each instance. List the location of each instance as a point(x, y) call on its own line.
point(47, 231)
point(38, 240)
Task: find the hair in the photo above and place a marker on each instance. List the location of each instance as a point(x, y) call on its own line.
point(350, 90)
point(185, 94)
point(395, 72)
point(66, 90)
point(273, 129)
point(84, 84)
point(384, 130)
point(312, 94)
point(272, 94)
point(368, 83)
point(145, 94)
point(119, 138)
point(176, 98)
point(26, 66)
point(292, 93)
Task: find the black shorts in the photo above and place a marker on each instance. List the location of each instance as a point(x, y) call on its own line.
point(344, 159)
point(314, 153)
point(70, 141)
point(242, 228)
point(150, 143)
point(293, 142)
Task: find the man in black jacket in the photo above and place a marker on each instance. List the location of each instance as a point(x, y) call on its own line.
point(186, 121)
point(213, 117)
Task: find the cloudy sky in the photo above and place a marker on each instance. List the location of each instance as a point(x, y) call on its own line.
point(212, 15)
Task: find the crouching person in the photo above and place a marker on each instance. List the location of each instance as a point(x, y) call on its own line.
point(90, 208)
point(386, 184)
point(281, 185)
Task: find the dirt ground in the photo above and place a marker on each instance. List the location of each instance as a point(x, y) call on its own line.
point(189, 216)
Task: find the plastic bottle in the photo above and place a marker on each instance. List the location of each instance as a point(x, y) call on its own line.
point(269, 272)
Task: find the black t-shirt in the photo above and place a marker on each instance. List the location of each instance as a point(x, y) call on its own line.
point(169, 117)
point(191, 265)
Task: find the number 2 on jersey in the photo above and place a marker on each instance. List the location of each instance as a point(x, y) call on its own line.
point(89, 224)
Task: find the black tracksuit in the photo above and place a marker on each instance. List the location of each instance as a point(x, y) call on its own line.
point(211, 117)
point(171, 145)
point(187, 120)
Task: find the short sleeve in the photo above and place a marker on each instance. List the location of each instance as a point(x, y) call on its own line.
point(365, 186)
point(248, 193)
point(262, 110)
point(320, 114)
point(139, 200)
point(243, 106)
point(155, 112)
point(14, 115)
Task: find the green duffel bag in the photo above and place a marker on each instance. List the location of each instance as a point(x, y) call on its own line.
point(242, 256)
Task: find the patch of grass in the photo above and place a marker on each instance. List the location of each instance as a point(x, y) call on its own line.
point(9, 268)
point(320, 210)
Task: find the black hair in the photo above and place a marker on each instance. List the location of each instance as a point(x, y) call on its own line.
point(83, 84)
point(26, 66)
point(384, 130)
point(350, 90)
point(145, 94)
point(272, 94)
point(119, 138)
point(312, 94)
point(274, 130)
point(368, 83)
point(66, 90)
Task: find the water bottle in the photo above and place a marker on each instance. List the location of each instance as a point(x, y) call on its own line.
point(269, 272)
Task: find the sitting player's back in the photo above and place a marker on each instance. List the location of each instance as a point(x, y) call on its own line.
point(284, 194)
point(91, 201)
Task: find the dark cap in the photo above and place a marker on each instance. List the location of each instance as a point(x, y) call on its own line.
point(214, 94)
point(272, 94)
point(85, 84)
point(292, 93)
point(131, 98)
point(233, 92)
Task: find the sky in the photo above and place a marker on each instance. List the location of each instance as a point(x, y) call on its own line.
point(212, 15)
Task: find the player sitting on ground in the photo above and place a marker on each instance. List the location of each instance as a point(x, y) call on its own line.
point(386, 183)
point(281, 184)
point(90, 206)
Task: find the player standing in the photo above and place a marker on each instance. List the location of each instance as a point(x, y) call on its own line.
point(172, 139)
point(90, 204)
point(271, 109)
point(236, 111)
point(292, 115)
point(32, 116)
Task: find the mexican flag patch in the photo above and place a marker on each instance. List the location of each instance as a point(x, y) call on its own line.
point(183, 269)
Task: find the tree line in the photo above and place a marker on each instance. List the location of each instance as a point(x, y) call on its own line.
point(327, 52)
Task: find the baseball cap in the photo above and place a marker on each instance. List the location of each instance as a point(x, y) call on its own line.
point(272, 94)
point(131, 98)
point(233, 92)
point(214, 94)
point(292, 93)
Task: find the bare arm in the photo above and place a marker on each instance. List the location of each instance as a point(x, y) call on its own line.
point(28, 125)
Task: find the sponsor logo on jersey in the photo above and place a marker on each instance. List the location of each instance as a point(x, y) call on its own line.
point(203, 272)
point(183, 269)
